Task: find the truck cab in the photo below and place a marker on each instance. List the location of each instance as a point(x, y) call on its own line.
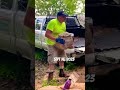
point(12, 28)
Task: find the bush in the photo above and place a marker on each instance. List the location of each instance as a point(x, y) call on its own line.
point(70, 66)
point(40, 55)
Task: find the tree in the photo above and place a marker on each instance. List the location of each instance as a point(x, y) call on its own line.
point(51, 7)
point(81, 7)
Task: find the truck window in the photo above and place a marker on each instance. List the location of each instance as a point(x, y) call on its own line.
point(22, 5)
point(38, 23)
point(46, 22)
point(6, 4)
point(38, 26)
point(71, 22)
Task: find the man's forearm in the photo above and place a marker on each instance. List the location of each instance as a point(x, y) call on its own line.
point(50, 37)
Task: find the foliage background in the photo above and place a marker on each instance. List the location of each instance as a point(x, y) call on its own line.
point(51, 7)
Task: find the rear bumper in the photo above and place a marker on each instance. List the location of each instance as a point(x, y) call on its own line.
point(75, 52)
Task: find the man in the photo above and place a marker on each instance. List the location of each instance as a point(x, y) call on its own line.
point(54, 28)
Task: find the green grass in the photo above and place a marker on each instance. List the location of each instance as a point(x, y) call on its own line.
point(7, 72)
point(70, 66)
point(13, 69)
point(40, 55)
point(53, 82)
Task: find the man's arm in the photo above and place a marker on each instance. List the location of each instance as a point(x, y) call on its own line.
point(48, 34)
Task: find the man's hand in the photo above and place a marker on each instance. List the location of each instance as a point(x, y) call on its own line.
point(59, 40)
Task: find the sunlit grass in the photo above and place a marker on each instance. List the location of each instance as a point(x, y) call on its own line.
point(53, 82)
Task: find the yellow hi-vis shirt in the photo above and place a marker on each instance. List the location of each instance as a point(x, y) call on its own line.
point(57, 28)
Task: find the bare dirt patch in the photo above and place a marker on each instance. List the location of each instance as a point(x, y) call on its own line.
point(41, 75)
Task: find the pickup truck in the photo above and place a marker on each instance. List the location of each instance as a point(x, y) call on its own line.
point(13, 32)
point(12, 28)
point(72, 26)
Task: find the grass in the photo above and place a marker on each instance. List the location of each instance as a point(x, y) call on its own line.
point(17, 70)
point(70, 66)
point(53, 82)
point(41, 55)
point(10, 70)
point(7, 72)
point(13, 69)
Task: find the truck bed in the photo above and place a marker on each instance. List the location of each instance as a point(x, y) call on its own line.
point(108, 41)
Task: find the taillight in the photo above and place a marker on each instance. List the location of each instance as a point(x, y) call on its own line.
point(29, 20)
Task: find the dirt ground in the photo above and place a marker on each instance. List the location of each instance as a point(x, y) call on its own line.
point(76, 86)
point(40, 75)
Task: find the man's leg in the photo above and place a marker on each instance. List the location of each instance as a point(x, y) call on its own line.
point(61, 64)
point(50, 58)
point(61, 67)
point(50, 71)
point(51, 66)
point(61, 72)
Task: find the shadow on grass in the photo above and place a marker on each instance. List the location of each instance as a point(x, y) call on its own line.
point(15, 72)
